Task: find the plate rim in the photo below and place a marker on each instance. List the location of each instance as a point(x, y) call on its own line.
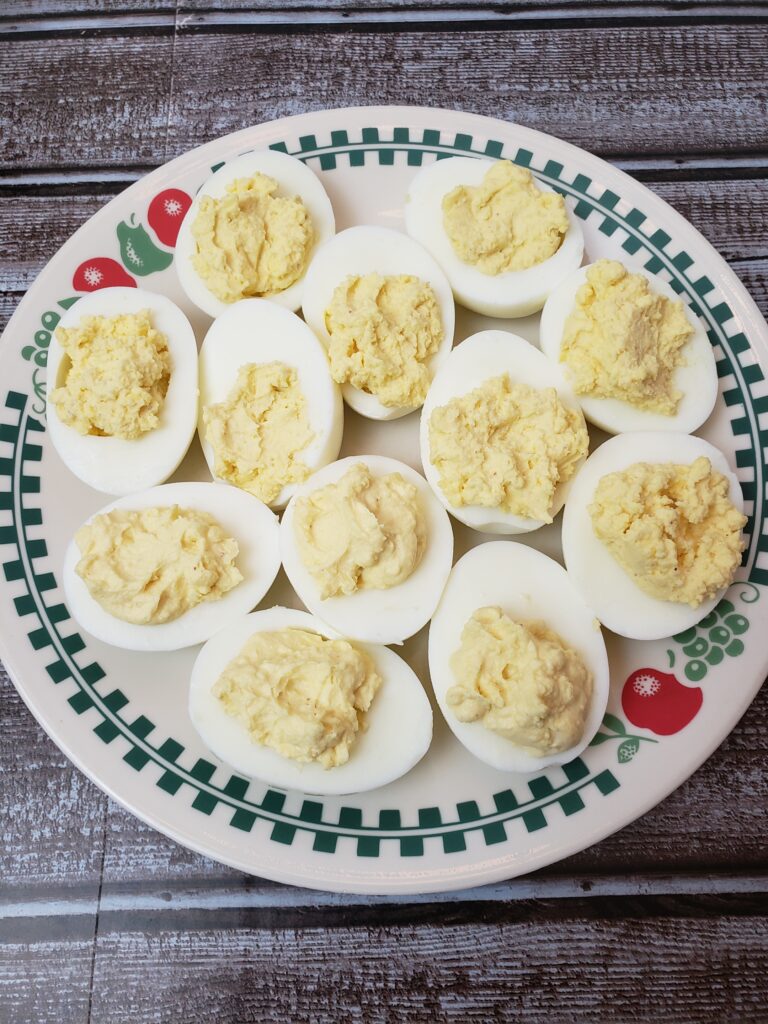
point(446, 878)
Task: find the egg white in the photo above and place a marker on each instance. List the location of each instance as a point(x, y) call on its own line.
point(399, 720)
point(258, 331)
point(514, 293)
point(367, 250)
point(376, 616)
point(696, 379)
point(613, 595)
point(529, 587)
point(116, 465)
point(477, 359)
point(294, 179)
point(242, 516)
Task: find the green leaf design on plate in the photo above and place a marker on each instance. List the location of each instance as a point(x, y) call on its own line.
point(627, 750)
point(615, 724)
point(598, 738)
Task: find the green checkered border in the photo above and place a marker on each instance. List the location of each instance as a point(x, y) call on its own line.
point(246, 801)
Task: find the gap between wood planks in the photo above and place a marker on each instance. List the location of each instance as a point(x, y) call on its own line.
point(310, 17)
point(659, 167)
point(40, 915)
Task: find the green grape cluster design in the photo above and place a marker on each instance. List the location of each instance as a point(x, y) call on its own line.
point(712, 640)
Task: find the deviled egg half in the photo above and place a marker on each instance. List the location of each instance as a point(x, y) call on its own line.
point(504, 239)
point(502, 435)
point(252, 231)
point(368, 548)
point(517, 661)
point(637, 356)
point(279, 696)
point(652, 532)
point(169, 567)
point(383, 309)
point(122, 389)
point(270, 413)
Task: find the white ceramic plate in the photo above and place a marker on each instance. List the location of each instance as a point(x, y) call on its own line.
point(452, 822)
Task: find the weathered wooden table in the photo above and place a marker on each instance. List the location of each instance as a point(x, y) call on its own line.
point(105, 920)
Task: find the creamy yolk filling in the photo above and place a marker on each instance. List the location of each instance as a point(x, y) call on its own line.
point(151, 565)
point(672, 528)
point(259, 432)
point(382, 332)
point(508, 446)
point(505, 223)
point(625, 341)
point(251, 241)
point(522, 681)
point(363, 532)
point(116, 375)
point(300, 694)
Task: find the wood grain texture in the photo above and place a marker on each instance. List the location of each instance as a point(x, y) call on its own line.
point(689, 968)
point(53, 817)
point(117, 113)
point(597, 90)
point(47, 981)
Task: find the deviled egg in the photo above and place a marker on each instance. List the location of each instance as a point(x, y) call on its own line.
point(517, 661)
point(635, 354)
point(384, 311)
point(281, 697)
point(270, 414)
point(122, 389)
point(252, 231)
point(502, 435)
point(504, 239)
point(652, 532)
point(168, 567)
point(368, 548)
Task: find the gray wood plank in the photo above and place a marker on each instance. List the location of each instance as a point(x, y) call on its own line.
point(615, 966)
point(115, 114)
point(53, 817)
point(596, 90)
point(46, 981)
point(707, 89)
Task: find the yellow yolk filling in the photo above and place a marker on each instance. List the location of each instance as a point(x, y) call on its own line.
point(382, 331)
point(299, 694)
point(505, 223)
point(507, 446)
point(251, 241)
point(363, 532)
point(672, 528)
point(152, 565)
point(625, 341)
point(522, 681)
point(259, 432)
point(116, 375)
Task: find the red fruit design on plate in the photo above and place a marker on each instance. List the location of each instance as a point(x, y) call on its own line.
point(166, 212)
point(100, 272)
point(657, 701)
